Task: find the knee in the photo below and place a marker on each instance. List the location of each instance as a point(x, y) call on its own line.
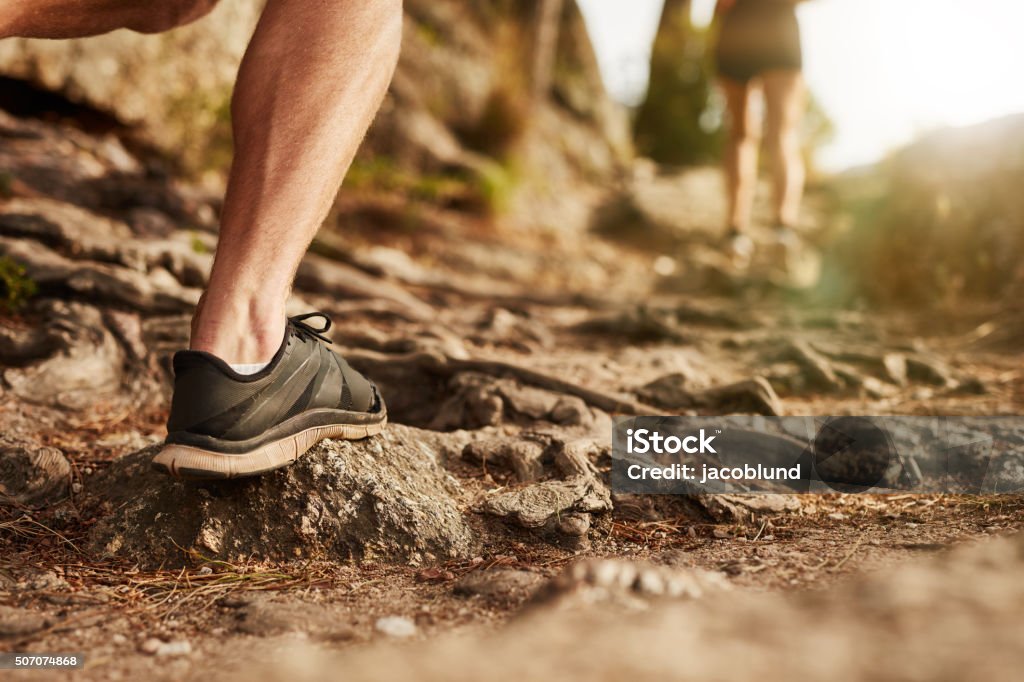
point(745, 132)
point(745, 127)
point(169, 14)
point(785, 142)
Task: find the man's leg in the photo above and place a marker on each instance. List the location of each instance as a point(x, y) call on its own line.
point(310, 84)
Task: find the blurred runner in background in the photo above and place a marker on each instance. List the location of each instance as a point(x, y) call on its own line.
point(759, 49)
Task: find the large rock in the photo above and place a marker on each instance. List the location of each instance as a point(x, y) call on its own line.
point(383, 498)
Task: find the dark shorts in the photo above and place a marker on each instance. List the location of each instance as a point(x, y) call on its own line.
point(757, 36)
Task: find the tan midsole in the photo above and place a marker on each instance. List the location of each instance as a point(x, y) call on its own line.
point(175, 457)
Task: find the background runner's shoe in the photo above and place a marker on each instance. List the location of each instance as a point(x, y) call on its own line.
point(224, 424)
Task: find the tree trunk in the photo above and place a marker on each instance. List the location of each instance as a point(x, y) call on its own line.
point(545, 46)
point(669, 126)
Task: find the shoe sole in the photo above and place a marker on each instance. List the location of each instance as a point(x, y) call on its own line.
point(194, 463)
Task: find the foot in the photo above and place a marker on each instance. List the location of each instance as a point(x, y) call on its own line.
point(786, 235)
point(226, 425)
point(786, 248)
point(740, 248)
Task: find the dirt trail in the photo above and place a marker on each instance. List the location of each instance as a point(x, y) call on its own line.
point(501, 383)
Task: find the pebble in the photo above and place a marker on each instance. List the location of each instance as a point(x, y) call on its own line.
point(502, 583)
point(395, 626)
point(18, 622)
point(179, 647)
point(574, 525)
point(150, 646)
point(157, 647)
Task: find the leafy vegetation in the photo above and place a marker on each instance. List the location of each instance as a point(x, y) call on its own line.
point(680, 121)
point(940, 221)
point(485, 190)
point(16, 288)
point(6, 182)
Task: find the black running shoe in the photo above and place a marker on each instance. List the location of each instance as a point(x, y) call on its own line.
point(224, 424)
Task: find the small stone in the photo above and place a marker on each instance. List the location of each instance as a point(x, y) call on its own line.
point(498, 583)
point(629, 583)
point(569, 410)
point(154, 646)
point(574, 525)
point(651, 583)
point(434, 575)
point(18, 622)
point(395, 626)
point(205, 570)
point(151, 646)
point(44, 581)
point(179, 647)
point(32, 476)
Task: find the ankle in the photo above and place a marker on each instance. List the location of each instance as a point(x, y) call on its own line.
point(247, 331)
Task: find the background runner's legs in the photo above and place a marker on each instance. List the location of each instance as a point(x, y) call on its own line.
point(741, 151)
point(784, 107)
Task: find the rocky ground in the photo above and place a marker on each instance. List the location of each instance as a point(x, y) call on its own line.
point(480, 526)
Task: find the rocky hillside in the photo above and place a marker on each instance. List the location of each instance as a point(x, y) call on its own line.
point(460, 129)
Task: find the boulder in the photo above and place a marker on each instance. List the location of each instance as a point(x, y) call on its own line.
point(382, 498)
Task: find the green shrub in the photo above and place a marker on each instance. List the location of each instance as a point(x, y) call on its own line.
point(16, 288)
point(940, 221)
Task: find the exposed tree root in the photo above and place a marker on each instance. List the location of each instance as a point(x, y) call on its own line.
point(437, 365)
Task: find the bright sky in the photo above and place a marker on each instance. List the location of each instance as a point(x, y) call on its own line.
point(884, 70)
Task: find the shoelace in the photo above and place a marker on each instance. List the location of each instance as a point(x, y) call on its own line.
point(308, 331)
